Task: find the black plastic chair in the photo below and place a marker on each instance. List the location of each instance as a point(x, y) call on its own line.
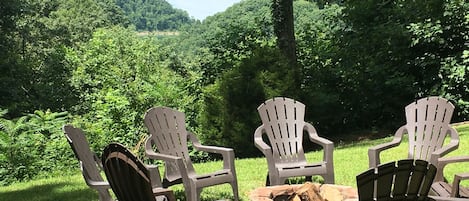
point(129, 178)
point(402, 180)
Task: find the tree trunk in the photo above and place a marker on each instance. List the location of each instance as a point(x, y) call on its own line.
point(282, 16)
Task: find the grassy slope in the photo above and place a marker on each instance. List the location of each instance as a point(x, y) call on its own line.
point(349, 160)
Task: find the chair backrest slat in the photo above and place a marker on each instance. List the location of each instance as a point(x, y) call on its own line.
point(384, 180)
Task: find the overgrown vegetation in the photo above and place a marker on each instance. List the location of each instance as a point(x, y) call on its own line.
point(81, 62)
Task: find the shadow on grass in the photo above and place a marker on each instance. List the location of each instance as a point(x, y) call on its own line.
point(50, 192)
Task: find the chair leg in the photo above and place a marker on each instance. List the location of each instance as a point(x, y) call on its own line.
point(328, 179)
point(104, 195)
point(191, 196)
point(308, 178)
point(168, 194)
point(197, 195)
point(234, 187)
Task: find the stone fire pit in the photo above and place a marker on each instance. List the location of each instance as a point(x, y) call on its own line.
point(327, 192)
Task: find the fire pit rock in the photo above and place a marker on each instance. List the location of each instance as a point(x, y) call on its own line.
point(305, 192)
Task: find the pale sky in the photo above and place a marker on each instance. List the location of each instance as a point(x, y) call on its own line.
point(200, 9)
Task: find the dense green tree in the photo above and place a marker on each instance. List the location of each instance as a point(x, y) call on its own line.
point(153, 15)
point(35, 70)
point(120, 76)
point(230, 116)
point(376, 61)
point(232, 35)
point(443, 43)
point(12, 70)
point(244, 65)
point(316, 31)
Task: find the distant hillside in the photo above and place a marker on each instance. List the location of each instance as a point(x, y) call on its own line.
point(153, 15)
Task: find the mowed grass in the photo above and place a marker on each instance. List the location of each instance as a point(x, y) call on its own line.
point(349, 160)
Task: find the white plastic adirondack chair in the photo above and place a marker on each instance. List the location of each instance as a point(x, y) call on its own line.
point(428, 124)
point(169, 136)
point(90, 163)
point(283, 123)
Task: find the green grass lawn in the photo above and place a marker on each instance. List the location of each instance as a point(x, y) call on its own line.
point(349, 160)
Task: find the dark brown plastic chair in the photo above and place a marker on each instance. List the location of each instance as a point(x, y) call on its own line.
point(168, 142)
point(428, 125)
point(442, 188)
point(90, 163)
point(283, 124)
point(402, 180)
point(129, 178)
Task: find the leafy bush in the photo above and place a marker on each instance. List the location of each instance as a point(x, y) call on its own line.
point(31, 145)
point(449, 33)
point(120, 76)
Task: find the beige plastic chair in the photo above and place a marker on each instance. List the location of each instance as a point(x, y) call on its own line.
point(90, 163)
point(168, 135)
point(129, 177)
point(455, 190)
point(428, 124)
point(402, 180)
point(283, 124)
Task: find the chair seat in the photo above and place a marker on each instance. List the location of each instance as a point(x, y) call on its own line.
point(309, 169)
point(443, 189)
point(218, 177)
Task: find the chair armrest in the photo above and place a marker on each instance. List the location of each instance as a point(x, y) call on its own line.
point(456, 181)
point(98, 184)
point(259, 142)
point(227, 153)
point(93, 183)
point(452, 145)
point(155, 176)
point(158, 156)
point(314, 137)
point(327, 145)
point(211, 149)
point(374, 152)
point(442, 162)
point(150, 153)
point(264, 148)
